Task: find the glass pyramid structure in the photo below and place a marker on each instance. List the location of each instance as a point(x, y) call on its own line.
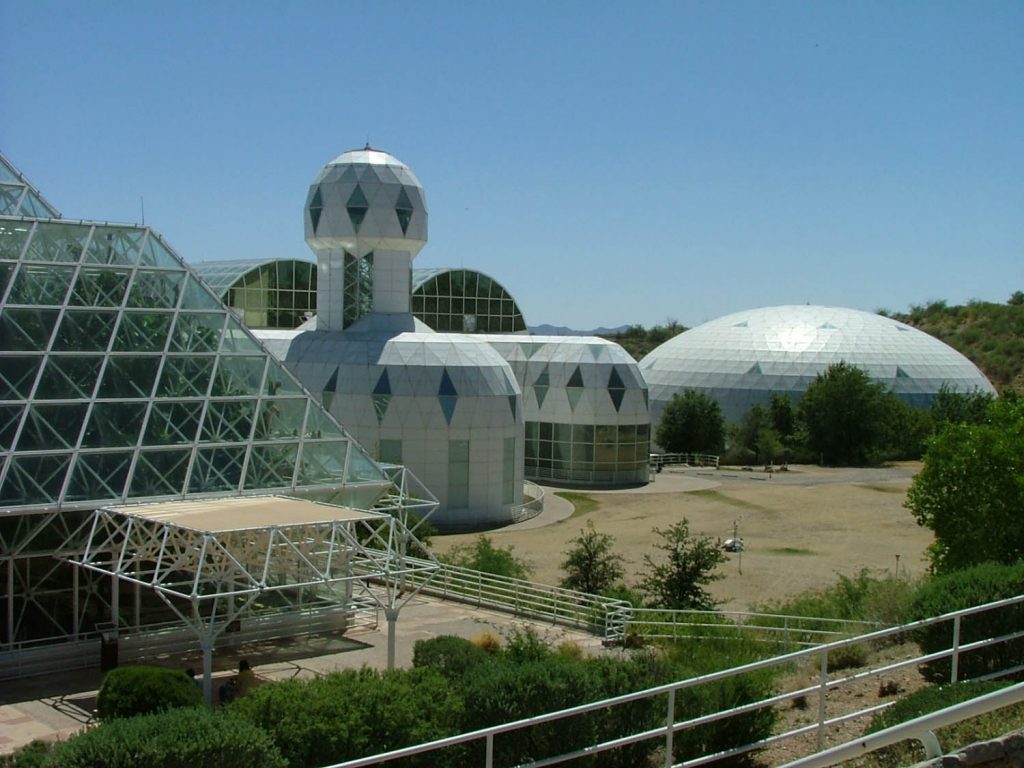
point(124, 378)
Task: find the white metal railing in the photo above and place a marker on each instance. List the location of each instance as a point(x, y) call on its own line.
point(565, 607)
point(790, 631)
point(659, 460)
point(533, 503)
point(666, 729)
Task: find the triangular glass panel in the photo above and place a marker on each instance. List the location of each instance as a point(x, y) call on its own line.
point(156, 254)
point(160, 473)
point(238, 339)
point(186, 376)
point(34, 479)
point(271, 466)
point(217, 469)
point(13, 235)
point(10, 418)
point(576, 380)
point(360, 467)
point(278, 418)
point(380, 406)
point(10, 199)
point(316, 206)
point(827, 327)
point(40, 285)
point(383, 386)
point(114, 425)
point(319, 425)
point(155, 290)
point(198, 332)
point(114, 245)
point(404, 210)
point(198, 296)
point(332, 383)
point(129, 376)
point(901, 374)
point(357, 206)
point(742, 324)
point(50, 427)
point(755, 369)
point(595, 350)
point(349, 174)
point(446, 388)
point(541, 392)
point(84, 330)
point(512, 404)
point(142, 331)
point(616, 389)
point(543, 380)
point(228, 421)
point(448, 404)
point(100, 287)
point(529, 348)
point(238, 376)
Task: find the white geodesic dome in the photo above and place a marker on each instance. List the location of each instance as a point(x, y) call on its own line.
point(746, 357)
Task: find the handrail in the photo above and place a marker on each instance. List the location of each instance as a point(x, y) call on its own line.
point(920, 728)
point(670, 727)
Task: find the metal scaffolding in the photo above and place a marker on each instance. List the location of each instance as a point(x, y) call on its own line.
point(212, 561)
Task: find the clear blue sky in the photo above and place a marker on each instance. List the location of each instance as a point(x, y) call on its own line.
point(608, 163)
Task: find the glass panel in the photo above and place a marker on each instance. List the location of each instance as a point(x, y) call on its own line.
point(238, 339)
point(114, 425)
point(10, 417)
point(280, 417)
point(52, 427)
point(85, 330)
point(142, 331)
point(34, 479)
point(198, 296)
point(57, 242)
point(99, 476)
point(217, 469)
point(69, 378)
point(391, 451)
point(323, 462)
point(271, 466)
point(38, 284)
point(238, 376)
point(199, 332)
point(173, 423)
point(361, 468)
point(97, 287)
point(160, 473)
point(156, 254)
point(319, 424)
point(155, 290)
point(228, 421)
point(114, 245)
point(26, 329)
point(17, 375)
point(185, 376)
point(129, 376)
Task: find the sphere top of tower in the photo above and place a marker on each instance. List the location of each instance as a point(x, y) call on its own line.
point(366, 201)
point(370, 156)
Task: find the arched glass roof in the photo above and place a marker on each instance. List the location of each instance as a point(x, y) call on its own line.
point(265, 293)
point(464, 301)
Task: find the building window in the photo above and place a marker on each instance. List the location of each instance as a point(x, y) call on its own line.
point(458, 474)
point(508, 472)
point(390, 451)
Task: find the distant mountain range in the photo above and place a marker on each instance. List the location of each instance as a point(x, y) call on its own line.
point(561, 330)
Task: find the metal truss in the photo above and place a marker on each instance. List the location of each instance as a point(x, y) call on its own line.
point(210, 579)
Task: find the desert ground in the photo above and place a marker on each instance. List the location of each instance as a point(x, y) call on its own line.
point(801, 528)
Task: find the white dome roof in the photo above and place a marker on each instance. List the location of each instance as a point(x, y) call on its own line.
point(745, 357)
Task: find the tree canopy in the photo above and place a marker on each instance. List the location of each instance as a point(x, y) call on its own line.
point(679, 581)
point(691, 423)
point(591, 565)
point(843, 414)
point(971, 490)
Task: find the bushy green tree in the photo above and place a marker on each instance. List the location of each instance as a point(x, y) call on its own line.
point(679, 580)
point(591, 564)
point(140, 690)
point(953, 407)
point(194, 737)
point(483, 555)
point(906, 429)
point(843, 416)
point(691, 423)
point(971, 490)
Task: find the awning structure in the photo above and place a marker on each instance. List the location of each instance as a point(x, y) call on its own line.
point(209, 560)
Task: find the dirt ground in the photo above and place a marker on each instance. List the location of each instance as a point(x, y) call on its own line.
point(801, 528)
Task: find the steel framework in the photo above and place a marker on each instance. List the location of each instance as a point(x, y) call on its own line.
point(211, 562)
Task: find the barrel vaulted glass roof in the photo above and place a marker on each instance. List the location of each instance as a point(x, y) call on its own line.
point(267, 293)
point(123, 377)
point(464, 301)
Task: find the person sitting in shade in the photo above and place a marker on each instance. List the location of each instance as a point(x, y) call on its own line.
point(246, 678)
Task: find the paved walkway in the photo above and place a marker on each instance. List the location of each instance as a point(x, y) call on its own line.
point(56, 707)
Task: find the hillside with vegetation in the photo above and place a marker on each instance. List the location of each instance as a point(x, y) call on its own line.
point(991, 335)
point(638, 341)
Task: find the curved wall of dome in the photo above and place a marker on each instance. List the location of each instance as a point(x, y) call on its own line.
point(585, 408)
point(445, 405)
point(464, 301)
point(744, 358)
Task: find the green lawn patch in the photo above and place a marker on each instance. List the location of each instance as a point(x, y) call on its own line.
point(582, 504)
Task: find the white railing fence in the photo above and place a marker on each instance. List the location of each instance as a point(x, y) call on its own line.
point(820, 724)
point(659, 460)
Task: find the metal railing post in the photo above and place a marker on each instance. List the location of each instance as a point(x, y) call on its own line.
point(489, 751)
point(954, 670)
point(670, 721)
point(821, 700)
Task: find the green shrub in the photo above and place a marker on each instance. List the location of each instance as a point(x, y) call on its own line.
point(350, 714)
point(848, 656)
point(524, 644)
point(129, 691)
point(35, 754)
point(932, 699)
point(448, 654)
point(983, 583)
point(193, 737)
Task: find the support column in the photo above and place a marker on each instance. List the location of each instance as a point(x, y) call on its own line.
point(10, 602)
point(76, 620)
point(115, 600)
point(207, 645)
point(391, 614)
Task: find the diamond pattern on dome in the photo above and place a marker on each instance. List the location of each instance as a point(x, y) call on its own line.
point(316, 207)
point(540, 387)
point(616, 389)
point(357, 206)
point(404, 210)
point(383, 385)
